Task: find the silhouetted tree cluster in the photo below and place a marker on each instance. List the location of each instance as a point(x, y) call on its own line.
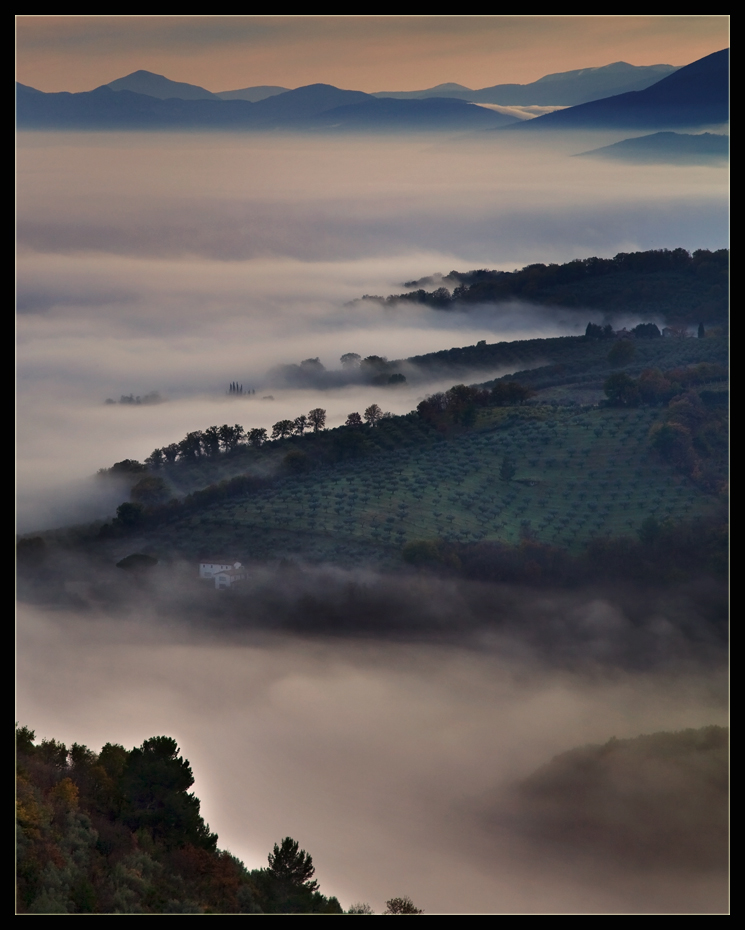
point(656, 387)
point(686, 283)
point(119, 832)
point(694, 438)
point(152, 398)
point(459, 405)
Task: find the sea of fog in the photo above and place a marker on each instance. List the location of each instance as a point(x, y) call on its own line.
point(385, 760)
point(177, 263)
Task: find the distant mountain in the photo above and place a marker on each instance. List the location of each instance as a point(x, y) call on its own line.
point(316, 106)
point(458, 91)
point(156, 85)
point(669, 148)
point(696, 95)
point(305, 102)
point(430, 113)
point(252, 94)
point(566, 88)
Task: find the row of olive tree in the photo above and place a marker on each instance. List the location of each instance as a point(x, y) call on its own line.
point(216, 439)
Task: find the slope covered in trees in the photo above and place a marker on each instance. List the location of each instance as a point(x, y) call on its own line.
point(673, 284)
point(616, 446)
point(118, 832)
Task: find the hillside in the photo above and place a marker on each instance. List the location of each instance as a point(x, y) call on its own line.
point(493, 479)
point(672, 285)
point(659, 799)
point(118, 832)
point(677, 148)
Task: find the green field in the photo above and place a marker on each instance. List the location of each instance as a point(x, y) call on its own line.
point(579, 474)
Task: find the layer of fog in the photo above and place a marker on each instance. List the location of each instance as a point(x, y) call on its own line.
point(382, 759)
point(178, 263)
point(521, 112)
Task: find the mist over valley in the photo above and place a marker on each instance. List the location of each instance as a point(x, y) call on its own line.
point(383, 470)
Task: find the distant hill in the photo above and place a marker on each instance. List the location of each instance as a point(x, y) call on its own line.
point(430, 113)
point(252, 94)
point(696, 95)
point(312, 107)
point(156, 85)
point(668, 148)
point(567, 88)
point(660, 799)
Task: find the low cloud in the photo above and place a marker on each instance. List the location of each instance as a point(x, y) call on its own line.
point(386, 759)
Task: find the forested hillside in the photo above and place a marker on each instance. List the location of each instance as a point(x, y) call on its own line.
point(119, 832)
point(679, 286)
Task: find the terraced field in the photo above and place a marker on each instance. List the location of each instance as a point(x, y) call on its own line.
point(579, 473)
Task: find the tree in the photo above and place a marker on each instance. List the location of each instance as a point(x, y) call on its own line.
point(354, 419)
point(155, 459)
point(292, 865)
point(373, 414)
point(360, 908)
point(313, 365)
point(621, 390)
point(129, 514)
point(300, 424)
point(211, 440)
point(256, 437)
point(282, 429)
point(507, 469)
point(150, 490)
point(230, 436)
point(647, 331)
point(350, 360)
point(127, 467)
point(401, 906)
point(507, 393)
point(317, 418)
point(622, 352)
point(190, 446)
point(155, 784)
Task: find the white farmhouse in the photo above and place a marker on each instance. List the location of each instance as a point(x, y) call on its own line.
point(224, 573)
point(228, 578)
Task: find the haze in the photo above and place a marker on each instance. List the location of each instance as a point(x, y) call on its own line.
point(384, 759)
point(178, 263)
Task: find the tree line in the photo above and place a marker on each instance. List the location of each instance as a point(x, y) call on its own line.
point(702, 274)
point(459, 405)
point(214, 440)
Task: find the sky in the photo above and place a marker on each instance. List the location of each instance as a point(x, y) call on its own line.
point(367, 53)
